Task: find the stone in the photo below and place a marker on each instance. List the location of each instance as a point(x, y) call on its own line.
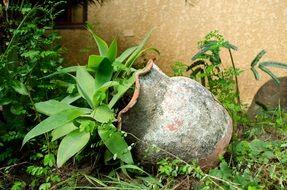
point(175, 116)
point(269, 96)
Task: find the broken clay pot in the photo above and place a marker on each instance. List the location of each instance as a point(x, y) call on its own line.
point(174, 116)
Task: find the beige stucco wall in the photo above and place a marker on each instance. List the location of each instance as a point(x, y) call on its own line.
point(251, 25)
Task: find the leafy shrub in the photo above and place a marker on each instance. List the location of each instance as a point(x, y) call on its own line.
point(31, 51)
point(100, 84)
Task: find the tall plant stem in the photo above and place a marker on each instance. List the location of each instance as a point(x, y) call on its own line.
point(235, 76)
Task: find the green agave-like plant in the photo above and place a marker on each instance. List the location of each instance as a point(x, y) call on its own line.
point(263, 66)
point(101, 84)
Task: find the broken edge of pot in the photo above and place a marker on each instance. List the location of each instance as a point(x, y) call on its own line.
point(136, 94)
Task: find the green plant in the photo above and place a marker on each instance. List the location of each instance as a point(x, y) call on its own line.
point(179, 68)
point(100, 84)
point(207, 68)
point(121, 180)
point(31, 51)
point(256, 164)
point(264, 66)
point(42, 169)
point(18, 185)
point(207, 62)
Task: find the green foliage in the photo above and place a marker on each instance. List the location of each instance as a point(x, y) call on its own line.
point(264, 66)
point(179, 68)
point(115, 180)
point(177, 167)
point(18, 185)
point(206, 64)
point(99, 86)
point(42, 169)
point(256, 157)
point(30, 50)
point(207, 68)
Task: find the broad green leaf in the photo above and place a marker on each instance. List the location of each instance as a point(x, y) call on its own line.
point(126, 54)
point(70, 145)
point(121, 90)
point(114, 141)
point(138, 50)
point(54, 122)
point(112, 51)
point(95, 61)
point(52, 107)
point(86, 85)
point(102, 45)
point(103, 73)
point(20, 88)
point(63, 130)
point(103, 114)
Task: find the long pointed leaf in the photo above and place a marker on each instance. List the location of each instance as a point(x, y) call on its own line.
point(70, 145)
point(19, 87)
point(53, 122)
point(274, 64)
point(257, 58)
point(102, 45)
point(64, 71)
point(126, 54)
point(200, 53)
point(135, 54)
point(52, 107)
point(86, 85)
point(93, 179)
point(267, 71)
point(112, 51)
point(255, 73)
point(142, 51)
point(121, 90)
point(114, 141)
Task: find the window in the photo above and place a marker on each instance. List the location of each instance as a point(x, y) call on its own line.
point(73, 16)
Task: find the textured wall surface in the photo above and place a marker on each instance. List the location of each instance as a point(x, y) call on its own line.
point(251, 25)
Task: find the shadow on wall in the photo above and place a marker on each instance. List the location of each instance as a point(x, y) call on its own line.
point(269, 96)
